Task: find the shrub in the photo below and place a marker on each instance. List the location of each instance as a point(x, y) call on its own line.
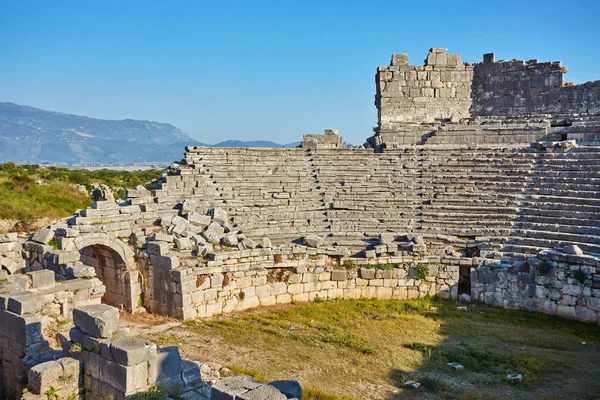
point(544, 267)
point(54, 243)
point(422, 271)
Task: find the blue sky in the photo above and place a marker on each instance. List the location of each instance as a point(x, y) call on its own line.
point(269, 70)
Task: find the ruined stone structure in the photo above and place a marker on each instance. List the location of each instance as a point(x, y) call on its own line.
point(480, 177)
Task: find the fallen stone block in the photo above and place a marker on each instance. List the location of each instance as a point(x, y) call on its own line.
point(231, 388)
point(8, 237)
point(97, 320)
point(198, 219)
point(183, 243)
point(263, 392)
point(230, 240)
point(290, 388)
point(214, 233)
point(386, 238)
point(43, 236)
point(312, 240)
point(218, 215)
point(81, 271)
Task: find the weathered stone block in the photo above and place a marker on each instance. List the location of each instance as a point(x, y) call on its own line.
point(42, 279)
point(166, 364)
point(263, 392)
point(131, 350)
point(231, 388)
point(43, 236)
point(97, 320)
point(44, 375)
point(312, 240)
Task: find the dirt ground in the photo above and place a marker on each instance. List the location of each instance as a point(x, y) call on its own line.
point(369, 349)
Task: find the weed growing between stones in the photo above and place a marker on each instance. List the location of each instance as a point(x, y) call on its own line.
point(422, 271)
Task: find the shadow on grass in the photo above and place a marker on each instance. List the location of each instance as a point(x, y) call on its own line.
point(555, 357)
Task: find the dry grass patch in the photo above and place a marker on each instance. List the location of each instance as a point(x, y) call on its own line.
point(368, 349)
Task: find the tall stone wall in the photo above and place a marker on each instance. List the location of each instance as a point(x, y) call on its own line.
point(517, 87)
point(438, 90)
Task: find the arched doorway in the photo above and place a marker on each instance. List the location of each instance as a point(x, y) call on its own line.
point(110, 268)
point(115, 266)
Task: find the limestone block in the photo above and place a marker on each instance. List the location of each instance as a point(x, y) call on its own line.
point(81, 271)
point(231, 388)
point(399, 59)
point(229, 240)
point(167, 262)
point(386, 238)
point(198, 219)
point(263, 392)
point(190, 374)
point(312, 240)
point(339, 275)
point(366, 273)
point(159, 236)
point(158, 248)
point(166, 364)
point(43, 236)
point(183, 243)
point(44, 375)
point(218, 215)
point(126, 379)
point(131, 350)
point(42, 279)
point(97, 320)
point(8, 237)
point(23, 303)
point(214, 232)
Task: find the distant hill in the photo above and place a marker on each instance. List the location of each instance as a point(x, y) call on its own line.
point(32, 135)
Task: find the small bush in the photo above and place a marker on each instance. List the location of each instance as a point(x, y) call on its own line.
point(544, 267)
point(422, 271)
point(54, 243)
point(580, 276)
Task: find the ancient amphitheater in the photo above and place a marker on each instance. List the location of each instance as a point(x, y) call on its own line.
point(481, 177)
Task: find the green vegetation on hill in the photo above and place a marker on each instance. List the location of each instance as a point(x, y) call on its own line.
point(32, 192)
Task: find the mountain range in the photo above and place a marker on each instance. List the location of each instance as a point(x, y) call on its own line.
point(32, 135)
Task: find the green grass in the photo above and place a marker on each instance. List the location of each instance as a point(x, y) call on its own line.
point(370, 348)
point(24, 200)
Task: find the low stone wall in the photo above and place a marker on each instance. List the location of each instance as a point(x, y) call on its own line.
point(11, 261)
point(261, 277)
point(553, 282)
point(28, 304)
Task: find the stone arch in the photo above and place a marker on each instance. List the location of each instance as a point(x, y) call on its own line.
point(114, 262)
